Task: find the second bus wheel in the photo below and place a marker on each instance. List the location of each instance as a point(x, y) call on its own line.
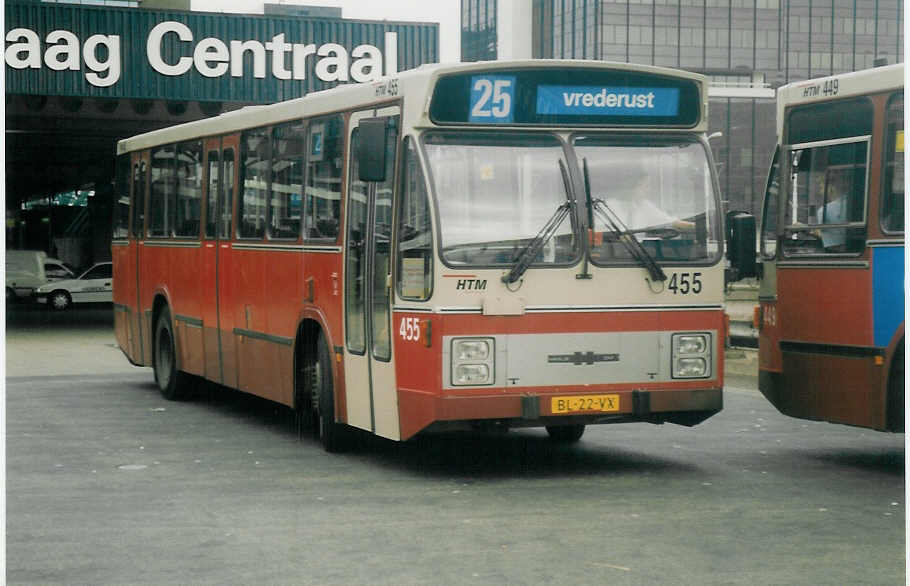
point(171, 382)
point(565, 434)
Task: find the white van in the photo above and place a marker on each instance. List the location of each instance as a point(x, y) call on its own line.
point(26, 270)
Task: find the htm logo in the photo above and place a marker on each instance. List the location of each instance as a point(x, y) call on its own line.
point(471, 285)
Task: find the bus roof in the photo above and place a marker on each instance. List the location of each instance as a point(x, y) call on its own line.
point(417, 83)
point(835, 87)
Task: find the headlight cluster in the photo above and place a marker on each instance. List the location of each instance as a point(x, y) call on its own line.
point(473, 361)
point(691, 355)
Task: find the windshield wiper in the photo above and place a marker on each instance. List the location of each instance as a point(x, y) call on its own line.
point(532, 248)
point(600, 208)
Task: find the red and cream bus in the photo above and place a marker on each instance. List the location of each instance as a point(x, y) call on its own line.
point(831, 297)
point(508, 244)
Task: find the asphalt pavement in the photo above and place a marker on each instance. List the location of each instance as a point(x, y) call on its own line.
point(108, 483)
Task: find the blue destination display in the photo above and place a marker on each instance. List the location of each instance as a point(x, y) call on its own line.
point(575, 96)
point(607, 101)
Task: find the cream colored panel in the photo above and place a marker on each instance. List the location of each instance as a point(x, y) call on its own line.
point(357, 391)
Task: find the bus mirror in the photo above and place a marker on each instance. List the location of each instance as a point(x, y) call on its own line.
point(741, 245)
point(371, 155)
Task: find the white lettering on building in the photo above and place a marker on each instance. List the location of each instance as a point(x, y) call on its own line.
point(211, 57)
point(62, 53)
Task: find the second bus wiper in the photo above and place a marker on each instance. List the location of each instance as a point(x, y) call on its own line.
point(531, 250)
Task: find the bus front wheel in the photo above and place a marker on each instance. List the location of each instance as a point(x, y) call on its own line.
point(322, 389)
point(171, 382)
point(565, 434)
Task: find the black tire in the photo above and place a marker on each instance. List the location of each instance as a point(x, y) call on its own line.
point(59, 300)
point(171, 382)
point(331, 434)
point(565, 434)
point(896, 383)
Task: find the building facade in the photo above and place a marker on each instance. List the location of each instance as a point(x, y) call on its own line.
point(747, 47)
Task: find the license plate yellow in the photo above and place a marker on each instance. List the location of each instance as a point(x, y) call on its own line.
point(585, 404)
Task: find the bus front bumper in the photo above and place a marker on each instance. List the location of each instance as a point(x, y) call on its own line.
point(422, 410)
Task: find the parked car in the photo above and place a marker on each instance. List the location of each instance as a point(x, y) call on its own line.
point(92, 286)
point(26, 270)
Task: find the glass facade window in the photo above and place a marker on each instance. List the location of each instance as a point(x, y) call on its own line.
point(478, 30)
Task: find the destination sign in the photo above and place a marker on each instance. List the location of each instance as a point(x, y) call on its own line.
point(574, 96)
point(607, 101)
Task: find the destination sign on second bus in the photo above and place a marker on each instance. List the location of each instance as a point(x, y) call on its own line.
point(585, 404)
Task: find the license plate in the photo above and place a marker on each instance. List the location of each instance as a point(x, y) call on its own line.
point(585, 404)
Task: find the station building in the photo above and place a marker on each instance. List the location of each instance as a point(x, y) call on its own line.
point(748, 48)
point(80, 77)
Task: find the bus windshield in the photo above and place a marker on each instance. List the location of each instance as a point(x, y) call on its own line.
point(661, 191)
point(495, 193)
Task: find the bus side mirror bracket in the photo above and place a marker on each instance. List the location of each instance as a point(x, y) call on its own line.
point(371, 155)
point(741, 246)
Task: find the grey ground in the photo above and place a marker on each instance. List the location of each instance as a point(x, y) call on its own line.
point(108, 483)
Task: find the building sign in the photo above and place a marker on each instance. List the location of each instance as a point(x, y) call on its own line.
point(144, 53)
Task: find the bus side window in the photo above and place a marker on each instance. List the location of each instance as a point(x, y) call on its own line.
point(188, 171)
point(139, 173)
point(288, 148)
point(161, 195)
point(211, 212)
point(121, 228)
point(254, 167)
point(892, 207)
point(226, 212)
point(770, 210)
point(415, 233)
point(322, 198)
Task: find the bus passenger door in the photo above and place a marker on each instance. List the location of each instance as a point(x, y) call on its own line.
point(369, 373)
point(141, 343)
point(209, 265)
point(220, 169)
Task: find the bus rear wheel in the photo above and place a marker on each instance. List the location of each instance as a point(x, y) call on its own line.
point(171, 382)
point(565, 434)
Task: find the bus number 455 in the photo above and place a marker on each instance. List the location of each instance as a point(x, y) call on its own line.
point(685, 283)
point(410, 328)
